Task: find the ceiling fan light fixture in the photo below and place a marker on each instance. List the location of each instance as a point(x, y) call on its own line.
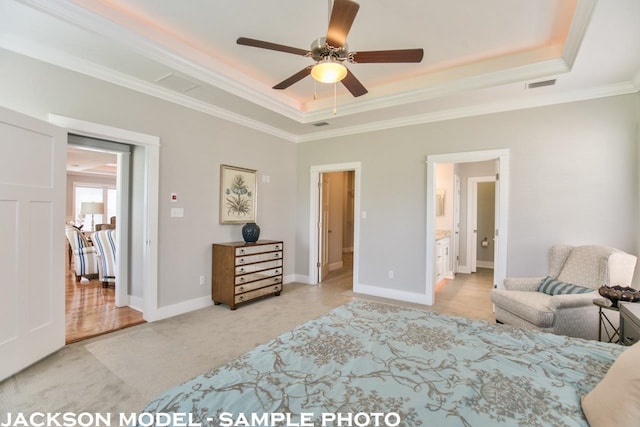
point(329, 71)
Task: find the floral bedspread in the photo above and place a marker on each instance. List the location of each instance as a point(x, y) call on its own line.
point(369, 363)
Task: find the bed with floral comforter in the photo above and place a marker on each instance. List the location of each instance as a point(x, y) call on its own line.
point(368, 363)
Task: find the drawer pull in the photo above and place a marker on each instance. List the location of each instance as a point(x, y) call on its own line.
point(242, 251)
point(242, 279)
point(275, 288)
point(241, 270)
point(241, 297)
point(277, 272)
point(275, 279)
point(277, 246)
point(241, 261)
point(241, 288)
point(277, 255)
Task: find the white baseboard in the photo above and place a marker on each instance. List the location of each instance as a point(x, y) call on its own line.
point(197, 303)
point(464, 269)
point(336, 266)
point(484, 264)
point(136, 303)
point(391, 294)
point(183, 307)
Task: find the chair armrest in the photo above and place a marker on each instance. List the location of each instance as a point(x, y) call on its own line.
point(522, 283)
point(86, 250)
point(573, 300)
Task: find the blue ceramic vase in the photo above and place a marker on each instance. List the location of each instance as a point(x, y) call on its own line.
point(250, 232)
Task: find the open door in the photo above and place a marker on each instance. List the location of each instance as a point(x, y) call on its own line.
point(323, 228)
point(32, 206)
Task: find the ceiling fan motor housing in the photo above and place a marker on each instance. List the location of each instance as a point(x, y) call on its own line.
point(321, 50)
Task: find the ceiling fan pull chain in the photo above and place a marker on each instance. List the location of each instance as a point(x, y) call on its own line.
point(315, 92)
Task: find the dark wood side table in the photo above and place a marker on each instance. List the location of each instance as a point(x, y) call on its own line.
point(629, 322)
point(605, 324)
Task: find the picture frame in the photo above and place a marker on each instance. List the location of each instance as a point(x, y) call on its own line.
point(238, 195)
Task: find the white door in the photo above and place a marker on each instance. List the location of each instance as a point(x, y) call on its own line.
point(323, 227)
point(32, 206)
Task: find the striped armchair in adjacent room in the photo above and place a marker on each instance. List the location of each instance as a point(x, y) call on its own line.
point(85, 257)
point(105, 243)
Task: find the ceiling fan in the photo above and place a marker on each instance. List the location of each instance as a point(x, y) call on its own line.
point(331, 51)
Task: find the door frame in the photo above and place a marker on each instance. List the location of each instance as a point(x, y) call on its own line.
point(314, 198)
point(151, 145)
point(502, 156)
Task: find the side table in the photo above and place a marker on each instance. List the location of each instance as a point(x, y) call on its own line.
point(605, 324)
point(629, 323)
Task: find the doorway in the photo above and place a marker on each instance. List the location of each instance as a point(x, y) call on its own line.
point(481, 222)
point(500, 160)
point(343, 193)
point(98, 173)
point(335, 250)
point(143, 251)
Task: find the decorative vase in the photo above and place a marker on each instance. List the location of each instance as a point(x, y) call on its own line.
point(250, 232)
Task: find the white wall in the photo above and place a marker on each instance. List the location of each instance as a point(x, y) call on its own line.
point(193, 145)
point(573, 179)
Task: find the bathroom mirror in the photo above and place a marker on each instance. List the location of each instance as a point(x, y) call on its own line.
point(440, 201)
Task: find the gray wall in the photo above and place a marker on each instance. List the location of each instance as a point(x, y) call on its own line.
point(573, 176)
point(193, 145)
point(573, 179)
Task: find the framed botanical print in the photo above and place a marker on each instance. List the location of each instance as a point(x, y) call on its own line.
point(238, 195)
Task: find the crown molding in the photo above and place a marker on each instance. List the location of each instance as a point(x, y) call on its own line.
point(73, 63)
point(577, 30)
point(477, 110)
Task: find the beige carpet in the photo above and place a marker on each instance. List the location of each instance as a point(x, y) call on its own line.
point(123, 371)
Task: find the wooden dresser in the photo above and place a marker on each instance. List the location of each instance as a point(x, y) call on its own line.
point(244, 271)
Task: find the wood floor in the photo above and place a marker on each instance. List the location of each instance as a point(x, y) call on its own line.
point(91, 310)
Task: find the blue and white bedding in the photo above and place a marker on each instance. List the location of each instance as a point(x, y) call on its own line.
point(369, 363)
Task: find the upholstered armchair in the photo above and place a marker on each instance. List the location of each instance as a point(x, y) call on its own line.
point(85, 258)
point(105, 243)
point(521, 303)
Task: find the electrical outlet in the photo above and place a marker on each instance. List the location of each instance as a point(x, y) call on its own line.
point(202, 280)
point(390, 274)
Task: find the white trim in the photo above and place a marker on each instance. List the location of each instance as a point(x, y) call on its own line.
point(501, 242)
point(183, 307)
point(336, 266)
point(485, 264)
point(313, 217)
point(393, 294)
point(152, 164)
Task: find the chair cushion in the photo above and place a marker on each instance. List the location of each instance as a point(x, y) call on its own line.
point(615, 401)
point(531, 306)
point(551, 286)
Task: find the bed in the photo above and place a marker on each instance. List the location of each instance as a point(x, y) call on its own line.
point(369, 363)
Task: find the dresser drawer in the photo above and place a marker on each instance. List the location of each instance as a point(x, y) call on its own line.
point(258, 293)
point(250, 259)
point(244, 269)
point(258, 249)
point(257, 276)
point(258, 284)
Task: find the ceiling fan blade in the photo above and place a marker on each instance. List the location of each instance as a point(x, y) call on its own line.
point(295, 78)
point(377, 56)
point(273, 46)
point(353, 85)
point(342, 16)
